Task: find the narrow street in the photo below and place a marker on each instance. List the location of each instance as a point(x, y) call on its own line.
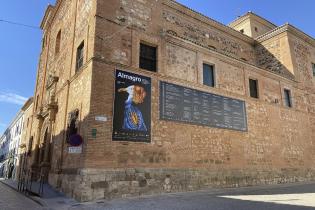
point(13, 200)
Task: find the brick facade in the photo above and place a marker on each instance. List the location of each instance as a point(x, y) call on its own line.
point(278, 146)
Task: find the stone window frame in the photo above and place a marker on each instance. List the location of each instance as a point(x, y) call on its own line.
point(214, 73)
point(257, 87)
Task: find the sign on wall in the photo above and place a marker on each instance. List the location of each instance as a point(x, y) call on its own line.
point(132, 107)
point(178, 103)
point(75, 150)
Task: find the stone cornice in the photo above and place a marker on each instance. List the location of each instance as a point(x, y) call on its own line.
point(272, 33)
point(287, 28)
point(257, 17)
point(50, 14)
point(285, 75)
point(27, 104)
point(206, 20)
point(46, 17)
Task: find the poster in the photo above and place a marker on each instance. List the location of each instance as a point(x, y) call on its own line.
point(132, 108)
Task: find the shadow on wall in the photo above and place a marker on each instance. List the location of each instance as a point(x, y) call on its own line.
point(266, 60)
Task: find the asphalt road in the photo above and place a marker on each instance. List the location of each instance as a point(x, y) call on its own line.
point(286, 197)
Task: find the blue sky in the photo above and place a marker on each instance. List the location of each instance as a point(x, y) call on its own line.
point(20, 46)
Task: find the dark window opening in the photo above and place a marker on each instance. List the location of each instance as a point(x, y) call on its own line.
point(148, 56)
point(58, 43)
point(242, 31)
point(287, 98)
point(208, 75)
point(256, 29)
point(80, 56)
point(313, 67)
point(73, 121)
point(253, 88)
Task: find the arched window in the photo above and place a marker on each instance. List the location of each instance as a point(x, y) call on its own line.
point(58, 43)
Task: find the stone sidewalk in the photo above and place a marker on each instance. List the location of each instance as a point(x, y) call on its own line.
point(297, 196)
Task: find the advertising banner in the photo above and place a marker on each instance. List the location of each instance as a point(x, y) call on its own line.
point(132, 108)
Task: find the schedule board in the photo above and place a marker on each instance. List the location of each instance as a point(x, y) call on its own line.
point(182, 104)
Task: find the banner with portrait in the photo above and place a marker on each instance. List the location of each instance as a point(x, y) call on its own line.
point(132, 107)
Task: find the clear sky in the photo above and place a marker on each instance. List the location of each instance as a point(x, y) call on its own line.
point(20, 46)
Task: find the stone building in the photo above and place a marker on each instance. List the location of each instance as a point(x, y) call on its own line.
point(166, 99)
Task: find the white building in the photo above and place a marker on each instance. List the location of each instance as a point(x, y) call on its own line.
point(10, 142)
point(4, 151)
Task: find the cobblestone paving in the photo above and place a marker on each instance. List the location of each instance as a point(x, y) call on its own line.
point(12, 200)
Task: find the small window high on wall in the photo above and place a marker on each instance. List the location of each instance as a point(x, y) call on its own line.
point(148, 57)
point(208, 75)
point(313, 68)
point(253, 88)
point(80, 56)
point(287, 98)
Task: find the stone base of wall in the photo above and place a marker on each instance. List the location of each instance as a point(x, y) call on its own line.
point(93, 184)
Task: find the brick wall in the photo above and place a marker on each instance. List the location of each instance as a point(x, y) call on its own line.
point(277, 148)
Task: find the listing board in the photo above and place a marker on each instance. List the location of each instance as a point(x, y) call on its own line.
point(178, 103)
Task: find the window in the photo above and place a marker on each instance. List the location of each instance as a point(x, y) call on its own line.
point(242, 31)
point(208, 75)
point(256, 29)
point(253, 88)
point(313, 67)
point(287, 98)
point(80, 56)
point(58, 42)
point(147, 57)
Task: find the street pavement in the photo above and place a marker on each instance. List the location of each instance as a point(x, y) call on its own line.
point(298, 196)
point(13, 200)
point(276, 197)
